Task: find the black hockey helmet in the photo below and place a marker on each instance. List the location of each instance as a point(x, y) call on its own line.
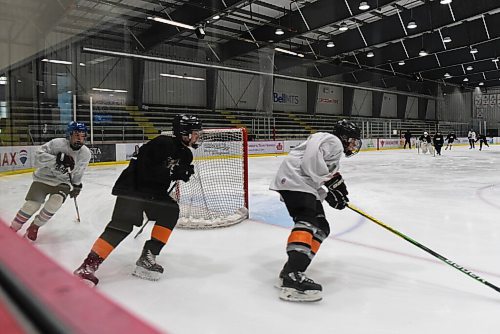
point(350, 136)
point(183, 125)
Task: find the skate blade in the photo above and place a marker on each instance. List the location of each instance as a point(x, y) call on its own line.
point(146, 274)
point(293, 295)
point(88, 283)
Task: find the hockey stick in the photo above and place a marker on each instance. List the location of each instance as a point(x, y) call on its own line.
point(147, 221)
point(76, 204)
point(430, 251)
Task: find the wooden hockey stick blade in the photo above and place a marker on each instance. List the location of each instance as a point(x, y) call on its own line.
point(428, 250)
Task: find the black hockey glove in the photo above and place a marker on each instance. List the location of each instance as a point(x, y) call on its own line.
point(64, 162)
point(337, 192)
point(182, 172)
point(76, 190)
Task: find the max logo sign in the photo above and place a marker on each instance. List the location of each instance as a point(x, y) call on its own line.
point(11, 158)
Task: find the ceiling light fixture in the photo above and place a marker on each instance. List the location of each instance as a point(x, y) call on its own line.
point(181, 77)
point(343, 26)
point(473, 50)
point(279, 31)
point(401, 62)
point(447, 39)
point(466, 79)
point(216, 17)
point(422, 53)
point(109, 90)
point(330, 44)
point(495, 60)
point(363, 5)
point(289, 52)
point(55, 61)
point(412, 24)
point(447, 75)
point(445, 2)
point(469, 68)
point(170, 22)
point(370, 55)
point(481, 84)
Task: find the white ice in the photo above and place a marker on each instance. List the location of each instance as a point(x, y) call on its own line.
point(221, 281)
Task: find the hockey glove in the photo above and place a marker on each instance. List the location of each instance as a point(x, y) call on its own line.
point(76, 190)
point(64, 162)
point(337, 192)
point(182, 172)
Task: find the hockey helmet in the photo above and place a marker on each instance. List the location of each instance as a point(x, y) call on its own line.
point(75, 141)
point(183, 125)
point(425, 133)
point(350, 136)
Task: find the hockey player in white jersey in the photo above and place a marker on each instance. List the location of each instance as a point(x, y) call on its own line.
point(55, 161)
point(300, 180)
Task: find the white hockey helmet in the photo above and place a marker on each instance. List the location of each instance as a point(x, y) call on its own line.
point(425, 133)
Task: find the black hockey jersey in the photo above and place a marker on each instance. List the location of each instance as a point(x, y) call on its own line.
point(425, 138)
point(148, 176)
point(451, 138)
point(438, 140)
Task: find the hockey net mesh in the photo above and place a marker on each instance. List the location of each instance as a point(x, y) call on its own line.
point(215, 195)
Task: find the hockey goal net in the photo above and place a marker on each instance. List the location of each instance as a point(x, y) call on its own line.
point(217, 193)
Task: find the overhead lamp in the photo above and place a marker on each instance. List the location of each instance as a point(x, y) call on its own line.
point(370, 55)
point(422, 53)
point(109, 90)
point(171, 22)
point(82, 64)
point(466, 79)
point(447, 75)
point(469, 68)
point(216, 17)
point(330, 44)
point(200, 32)
point(481, 84)
point(447, 39)
point(412, 24)
point(55, 61)
point(363, 5)
point(495, 60)
point(289, 52)
point(279, 31)
point(445, 2)
point(473, 50)
point(176, 76)
point(343, 26)
point(401, 62)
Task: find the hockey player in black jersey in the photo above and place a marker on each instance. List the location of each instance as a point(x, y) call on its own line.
point(143, 188)
point(426, 143)
point(450, 138)
point(438, 141)
point(300, 180)
point(482, 139)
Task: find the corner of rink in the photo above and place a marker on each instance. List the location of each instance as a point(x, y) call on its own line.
point(51, 298)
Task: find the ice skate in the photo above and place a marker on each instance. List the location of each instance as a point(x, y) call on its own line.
point(15, 226)
point(87, 269)
point(297, 287)
point(146, 266)
point(32, 232)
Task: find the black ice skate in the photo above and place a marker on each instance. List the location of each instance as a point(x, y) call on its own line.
point(88, 268)
point(32, 232)
point(146, 266)
point(297, 287)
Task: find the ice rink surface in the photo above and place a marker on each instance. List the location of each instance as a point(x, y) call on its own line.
point(221, 281)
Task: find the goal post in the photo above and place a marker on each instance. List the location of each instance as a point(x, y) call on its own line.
point(217, 193)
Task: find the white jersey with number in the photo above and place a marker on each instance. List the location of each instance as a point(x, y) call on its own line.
point(309, 165)
point(45, 161)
